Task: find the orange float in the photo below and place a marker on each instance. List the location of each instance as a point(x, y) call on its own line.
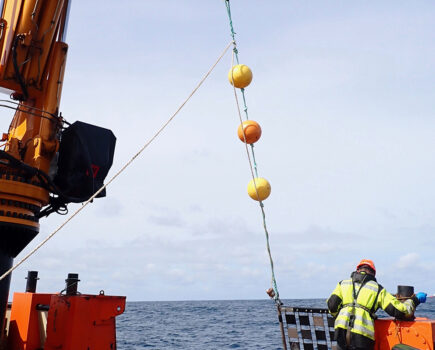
point(252, 131)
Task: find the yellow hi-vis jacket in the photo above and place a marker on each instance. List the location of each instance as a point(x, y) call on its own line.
point(354, 304)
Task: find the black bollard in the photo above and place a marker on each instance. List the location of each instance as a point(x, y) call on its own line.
point(405, 292)
point(32, 279)
point(71, 284)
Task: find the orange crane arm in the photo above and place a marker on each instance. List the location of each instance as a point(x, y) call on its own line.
point(32, 66)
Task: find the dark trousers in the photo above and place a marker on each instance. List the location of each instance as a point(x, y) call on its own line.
point(357, 341)
point(345, 347)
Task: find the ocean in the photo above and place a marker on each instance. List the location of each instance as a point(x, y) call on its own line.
point(209, 325)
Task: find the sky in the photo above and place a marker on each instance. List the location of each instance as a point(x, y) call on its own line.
point(344, 93)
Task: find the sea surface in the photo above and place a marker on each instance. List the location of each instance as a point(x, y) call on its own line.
point(229, 324)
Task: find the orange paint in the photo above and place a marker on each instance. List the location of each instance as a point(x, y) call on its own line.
point(21, 201)
point(419, 333)
point(83, 322)
point(74, 322)
point(25, 327)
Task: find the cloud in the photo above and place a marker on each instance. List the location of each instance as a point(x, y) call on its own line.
point(312, 269)
point(408, 261)
point(110, 207)
point(167, 220)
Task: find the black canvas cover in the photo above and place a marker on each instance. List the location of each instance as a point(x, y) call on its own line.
point(85, 157)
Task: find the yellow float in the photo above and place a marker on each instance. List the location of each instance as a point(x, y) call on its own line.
point(263, 189)
point(241, 75)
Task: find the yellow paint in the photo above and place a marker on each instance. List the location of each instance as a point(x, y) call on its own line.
point(19, 131)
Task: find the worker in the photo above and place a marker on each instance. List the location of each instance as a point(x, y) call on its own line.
point(354, 302)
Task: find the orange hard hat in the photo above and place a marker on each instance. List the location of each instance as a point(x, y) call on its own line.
point(368, 263)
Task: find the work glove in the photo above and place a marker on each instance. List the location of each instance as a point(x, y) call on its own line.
point(421, 297)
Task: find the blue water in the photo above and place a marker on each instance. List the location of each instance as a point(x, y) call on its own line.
point(234, 324)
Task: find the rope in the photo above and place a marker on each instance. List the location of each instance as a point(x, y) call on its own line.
point(233, 33)
point(236, 55)
point(119, 172)
point(252, 163)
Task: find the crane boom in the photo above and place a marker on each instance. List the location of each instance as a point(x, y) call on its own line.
point(43, 165)
point(32, 66)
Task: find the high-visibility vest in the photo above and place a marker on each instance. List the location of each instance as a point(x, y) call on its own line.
point(359, 304)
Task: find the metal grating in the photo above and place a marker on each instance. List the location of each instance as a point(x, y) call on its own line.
point(309, 328)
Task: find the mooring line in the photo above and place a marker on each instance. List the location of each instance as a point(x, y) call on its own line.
point(252, 162)
point(120, 171)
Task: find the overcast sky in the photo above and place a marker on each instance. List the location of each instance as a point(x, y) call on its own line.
point(345, 94)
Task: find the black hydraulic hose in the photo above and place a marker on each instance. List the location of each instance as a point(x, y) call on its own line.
point(17, 69)
point(45, 180)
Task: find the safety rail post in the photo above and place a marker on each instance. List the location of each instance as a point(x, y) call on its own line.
point(281, 326)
